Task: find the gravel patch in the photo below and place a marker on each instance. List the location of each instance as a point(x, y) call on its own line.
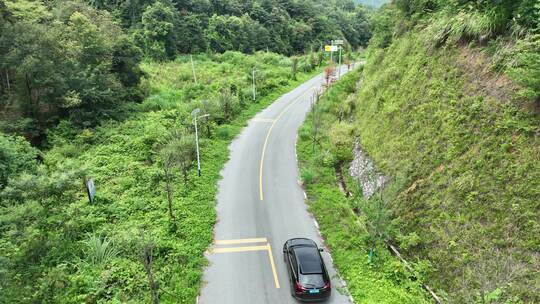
point(364, 171)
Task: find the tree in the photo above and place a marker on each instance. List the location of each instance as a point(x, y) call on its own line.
point(190, 32)
point(228, 104)
point(76, 64)
point(176, 153)
point(225, 33)
point(329, 73)
point(125, 62)
point(147, 258)
point(294, 67)
point(159, 22)
point(30, 11)
point(379, 220)
point(34, 58)
point(209, 108)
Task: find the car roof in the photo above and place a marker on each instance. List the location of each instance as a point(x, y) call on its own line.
point(309, 259)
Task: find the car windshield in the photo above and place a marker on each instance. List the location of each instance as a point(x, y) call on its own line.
point(312, 280)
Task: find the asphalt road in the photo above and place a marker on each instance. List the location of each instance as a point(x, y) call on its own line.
point(246, 260)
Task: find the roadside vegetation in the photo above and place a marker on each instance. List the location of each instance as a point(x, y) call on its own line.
point(104, 90)
point(152, 219)
point(447, 108)
point(355, 240)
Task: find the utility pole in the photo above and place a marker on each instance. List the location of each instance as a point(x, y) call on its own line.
point(195, 117)
point(253, 81)
point(193, 69)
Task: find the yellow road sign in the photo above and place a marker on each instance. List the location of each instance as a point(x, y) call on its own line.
point(331, 48)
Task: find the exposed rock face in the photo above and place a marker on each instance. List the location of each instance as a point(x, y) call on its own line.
point(363, 170)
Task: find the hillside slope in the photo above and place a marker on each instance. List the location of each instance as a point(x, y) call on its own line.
point(448, 110)
point(371, 277)
point(463, 163)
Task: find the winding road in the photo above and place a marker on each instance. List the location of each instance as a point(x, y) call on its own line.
point(260, 206)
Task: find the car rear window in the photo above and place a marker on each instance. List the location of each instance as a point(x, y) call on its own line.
point(312, 280)
point(309, 260)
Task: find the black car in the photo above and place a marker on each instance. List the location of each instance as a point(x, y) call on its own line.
point(307, 273)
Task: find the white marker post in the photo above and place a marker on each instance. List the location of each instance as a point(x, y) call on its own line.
point(253, 85)
point(90, 189)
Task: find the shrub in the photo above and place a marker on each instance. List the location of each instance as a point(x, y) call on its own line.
point(341, 138)
point(307, 176)
point(98, 251)
point(16, 156)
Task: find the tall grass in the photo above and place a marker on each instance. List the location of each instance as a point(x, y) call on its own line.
point(465, 26)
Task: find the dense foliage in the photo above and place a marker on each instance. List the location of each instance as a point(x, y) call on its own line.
point(66, 60)
point(448, 109)
point(16, 156)
point(164, 28)
point(322, 147)
point(79, 60)
point(145, 234)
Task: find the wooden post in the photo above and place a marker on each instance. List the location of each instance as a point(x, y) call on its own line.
point(7, 81)
point(193, 69)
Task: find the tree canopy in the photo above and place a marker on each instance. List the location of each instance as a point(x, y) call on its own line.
point(68, 60)
point(167, 27)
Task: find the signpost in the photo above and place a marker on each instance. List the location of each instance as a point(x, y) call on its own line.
point(90, 189)
point(334, 47)
point(331, 49)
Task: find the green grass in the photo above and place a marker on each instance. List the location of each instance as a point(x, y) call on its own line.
point(70, 251)
point(383, 279)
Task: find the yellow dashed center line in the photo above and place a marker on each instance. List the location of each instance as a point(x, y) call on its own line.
point(261, 196)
